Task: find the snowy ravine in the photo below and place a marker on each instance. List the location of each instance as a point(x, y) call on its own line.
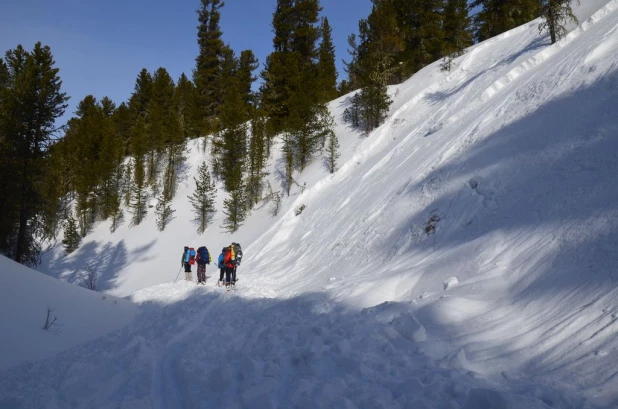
point(465, 255)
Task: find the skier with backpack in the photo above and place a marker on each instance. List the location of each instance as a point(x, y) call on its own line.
point(237, 257)
point(202, 258)
point(187, 260)
point(221, 265)
point(229, 264)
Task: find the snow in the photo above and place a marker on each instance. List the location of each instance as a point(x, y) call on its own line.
point(82, 315)
point(463, 256)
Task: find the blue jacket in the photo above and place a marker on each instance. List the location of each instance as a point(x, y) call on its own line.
point(220, 262)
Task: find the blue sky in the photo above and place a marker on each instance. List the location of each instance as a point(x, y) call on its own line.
point(101, 45)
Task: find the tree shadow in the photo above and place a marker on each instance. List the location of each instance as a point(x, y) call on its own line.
point(104, 260)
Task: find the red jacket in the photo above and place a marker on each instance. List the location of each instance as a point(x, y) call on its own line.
point(227, 260)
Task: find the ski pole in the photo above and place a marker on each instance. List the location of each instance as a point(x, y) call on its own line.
point(178, 274)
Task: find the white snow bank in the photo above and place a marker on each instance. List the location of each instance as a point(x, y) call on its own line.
point(81, 314)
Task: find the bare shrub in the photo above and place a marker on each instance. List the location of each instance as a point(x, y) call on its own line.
point(50, 322)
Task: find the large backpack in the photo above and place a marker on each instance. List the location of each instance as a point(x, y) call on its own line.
point(203, 256)
point(237, 252)
point(192, 256)
point(228, 254)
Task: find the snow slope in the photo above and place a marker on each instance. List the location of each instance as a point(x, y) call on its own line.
point(464, 256)
point(82, 314)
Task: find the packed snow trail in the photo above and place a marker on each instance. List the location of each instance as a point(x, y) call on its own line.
point(201, 348)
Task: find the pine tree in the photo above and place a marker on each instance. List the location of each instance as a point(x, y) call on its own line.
point(8, 204)
point(30, 102)
point(185, 101)
point(72, 238)
point(457, 31)
point(235, 209)
point(257, 160)
point(164, 129)
point(247, 64)
point(326, 64)
point(139, 103)
point(117, 215)
point(122, 123)
point(86, 134)
point(206, 75)
point(374, 100)
point(203, 198)
point(109, 160)
point(557, 13)
point(288, 152)
point(230, 144)
point(139, 196)
point(333, 151)
point(498, 16)
point(295, 52)
point(164, 211)
point(126, 186)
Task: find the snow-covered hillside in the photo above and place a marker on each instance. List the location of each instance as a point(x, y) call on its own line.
point(465, 255)
point(81, 314)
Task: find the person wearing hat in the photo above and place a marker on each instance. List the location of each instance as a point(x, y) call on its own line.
point(186, 262)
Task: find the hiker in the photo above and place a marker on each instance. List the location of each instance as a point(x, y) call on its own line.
point(188, 259)
point(237, 257)
point(202, 258)
point(228, 262)
point(221, 265)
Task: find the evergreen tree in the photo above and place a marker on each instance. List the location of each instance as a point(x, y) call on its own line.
point(30, 101)
point(380, 42)
point(374, 100)
point(55, 190)
point(344, 87)
point(288, 154)
point(116, 213)
point(127, 173)
point(86, 134)
point(108, 163)
point(333, 151)
point(230, 144)
point(235, 209)
point(164, 211)
point(185, 101)
point(498, 16)
point(139, 103)
point(203, 198)
point(351, 68)
point(295, 52)
point(72, 238)
point(206, 75)
point(139, 196)
point(557, 13)
point(122, 123)
point(326, 64)
point(164, 129)
point(279, 69)
point(457, 31)
point(247, 64)
point(257, 160)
